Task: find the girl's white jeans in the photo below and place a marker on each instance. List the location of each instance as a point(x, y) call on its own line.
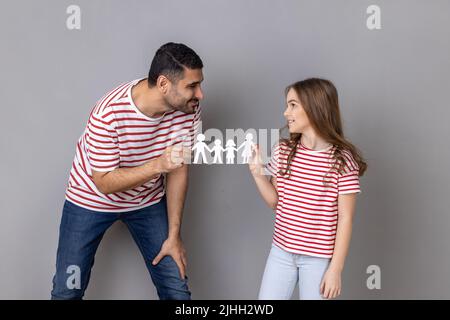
point(283, 271)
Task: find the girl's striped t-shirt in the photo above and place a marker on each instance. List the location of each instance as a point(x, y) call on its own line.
point(307, 210)
point(119, 135)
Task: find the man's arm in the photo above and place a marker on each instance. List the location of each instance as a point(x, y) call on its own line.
point(122, 179)
point(176, 187)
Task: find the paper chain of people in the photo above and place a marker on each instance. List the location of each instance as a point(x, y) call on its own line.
point(200, 148)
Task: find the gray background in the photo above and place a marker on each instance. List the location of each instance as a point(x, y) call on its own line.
point(393, 86)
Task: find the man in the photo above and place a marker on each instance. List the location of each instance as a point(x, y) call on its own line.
point(131, 141)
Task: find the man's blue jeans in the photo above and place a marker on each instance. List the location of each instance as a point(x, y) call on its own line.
point(80, 233)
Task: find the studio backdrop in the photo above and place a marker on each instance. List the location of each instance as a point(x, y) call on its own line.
point(388, 59)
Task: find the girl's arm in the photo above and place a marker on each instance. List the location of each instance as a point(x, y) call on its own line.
point(266, 187)
point(331, 283)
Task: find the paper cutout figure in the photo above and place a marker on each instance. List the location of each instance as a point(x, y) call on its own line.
point(247, 145)
point(230, 149)
point(199, 149)
point(217, 151)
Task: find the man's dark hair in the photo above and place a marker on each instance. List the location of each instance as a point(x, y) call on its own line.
point(170, 61)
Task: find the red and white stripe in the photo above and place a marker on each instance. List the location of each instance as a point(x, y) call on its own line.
point(307, 210)
point(118, 135)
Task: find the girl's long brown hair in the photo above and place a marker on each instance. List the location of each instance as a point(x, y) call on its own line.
point(319, 99)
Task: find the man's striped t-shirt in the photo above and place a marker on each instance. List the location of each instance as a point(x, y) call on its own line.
point(119, 135)
point(307, 210)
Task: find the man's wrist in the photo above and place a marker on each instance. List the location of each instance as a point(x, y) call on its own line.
point(174, 235)
point(155, 166)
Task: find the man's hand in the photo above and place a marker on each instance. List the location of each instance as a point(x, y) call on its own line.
point(173, 247)
point(171, 159)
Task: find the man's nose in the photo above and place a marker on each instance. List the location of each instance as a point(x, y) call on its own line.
point(199, 93)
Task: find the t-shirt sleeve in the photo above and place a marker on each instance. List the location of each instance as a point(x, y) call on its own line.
point(101, 144)
point(348, 181)
point(273, 166)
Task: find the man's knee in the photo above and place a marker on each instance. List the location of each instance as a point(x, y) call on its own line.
point(167, 279)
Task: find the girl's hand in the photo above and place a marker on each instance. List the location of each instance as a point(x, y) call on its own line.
point(330, 287)
point(255, 163)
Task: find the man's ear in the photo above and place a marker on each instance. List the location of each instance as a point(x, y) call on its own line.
point(163, 84)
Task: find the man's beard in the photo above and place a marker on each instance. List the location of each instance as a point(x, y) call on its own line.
point(189, 107)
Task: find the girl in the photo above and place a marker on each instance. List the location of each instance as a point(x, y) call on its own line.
point(313, 186)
